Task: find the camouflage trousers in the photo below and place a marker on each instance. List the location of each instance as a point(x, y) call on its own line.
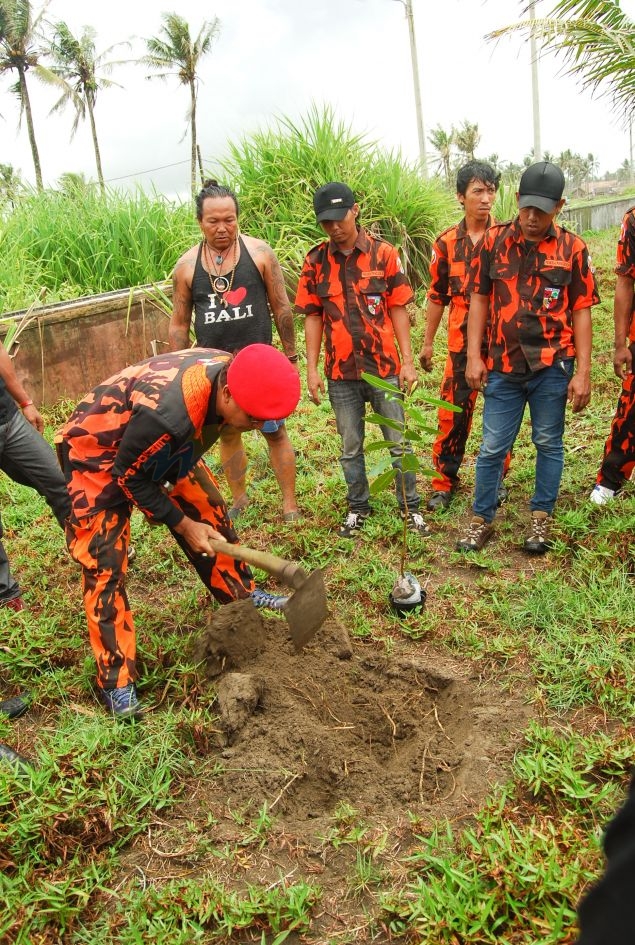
point(99, 543)
point(618, 462)
point(448, 449)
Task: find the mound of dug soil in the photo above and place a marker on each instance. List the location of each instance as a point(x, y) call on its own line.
point(307, 731)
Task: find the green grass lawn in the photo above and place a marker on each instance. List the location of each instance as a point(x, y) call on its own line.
point(556, 634)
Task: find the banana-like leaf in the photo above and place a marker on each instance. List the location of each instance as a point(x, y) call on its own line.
point(410, 463)
point(381, 465)
point(434, 402)
point(382, 481)
point(379, 383)
point(378, 445)
point(384, 421)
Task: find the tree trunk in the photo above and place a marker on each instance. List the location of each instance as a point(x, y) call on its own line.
point(93, 129)
point(446, 169)
point(26, 104)
point(193, 120)
point(200, 163)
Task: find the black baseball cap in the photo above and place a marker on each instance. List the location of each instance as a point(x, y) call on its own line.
point(333, 201)
point(541, 186)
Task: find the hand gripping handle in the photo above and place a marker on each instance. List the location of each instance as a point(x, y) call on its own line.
point(288, 572)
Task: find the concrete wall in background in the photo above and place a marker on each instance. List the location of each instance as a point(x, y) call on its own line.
point(596, 216)
point(69, 347)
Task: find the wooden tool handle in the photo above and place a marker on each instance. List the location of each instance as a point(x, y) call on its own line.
point(289, 572)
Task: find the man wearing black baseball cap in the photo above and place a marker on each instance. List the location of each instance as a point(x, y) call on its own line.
point(333, 201)
point(353, 292)
point(532, 288)
point(541, 186)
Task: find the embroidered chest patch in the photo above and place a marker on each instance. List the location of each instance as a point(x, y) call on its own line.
point(550, 297)
point(373, 303)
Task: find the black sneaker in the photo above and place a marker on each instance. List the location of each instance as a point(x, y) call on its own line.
point(537, 541)
point(417, 523)
point(353, 523)
point(478, 531)
point(439, 500)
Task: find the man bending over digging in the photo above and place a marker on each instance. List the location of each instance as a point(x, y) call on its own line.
point(138, 439)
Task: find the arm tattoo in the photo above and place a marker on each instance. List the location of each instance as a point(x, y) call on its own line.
point(279, 303)
point(179, 330)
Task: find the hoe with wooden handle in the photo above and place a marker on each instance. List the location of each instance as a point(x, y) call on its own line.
point(306, 610)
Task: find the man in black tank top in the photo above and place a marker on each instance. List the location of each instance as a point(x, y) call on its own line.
point(233, 284)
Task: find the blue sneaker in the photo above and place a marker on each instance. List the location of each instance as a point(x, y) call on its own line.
point(122, 702)
point(262, 598)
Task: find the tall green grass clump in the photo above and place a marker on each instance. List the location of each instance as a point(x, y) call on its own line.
point(276, 171)
point(60, 245)
point(505, 206)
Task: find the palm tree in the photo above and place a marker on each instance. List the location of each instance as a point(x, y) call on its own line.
point(597, 40)
point(10, 184)
point(175, 53)
point(442, 142)
point(75, 66)
point(19, 52)
point(467, 138)
point(574, 167)
point(72, 184)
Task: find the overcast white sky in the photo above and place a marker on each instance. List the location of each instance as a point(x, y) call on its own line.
point(276, 57)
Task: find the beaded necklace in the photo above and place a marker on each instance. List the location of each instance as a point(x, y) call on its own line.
point(221, 284)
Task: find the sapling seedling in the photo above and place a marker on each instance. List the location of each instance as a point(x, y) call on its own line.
point(413, 429)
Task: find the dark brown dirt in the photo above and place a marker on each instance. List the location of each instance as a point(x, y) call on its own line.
point(341, 749)
point(305, 732)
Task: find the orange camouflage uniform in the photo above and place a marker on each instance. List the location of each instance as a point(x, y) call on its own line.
point(534, 288)
point(137, 440)
point(618, 461)
point(452, 253)
point(353, 295)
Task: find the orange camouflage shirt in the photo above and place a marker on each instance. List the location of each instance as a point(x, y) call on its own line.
point(533, 290)
point(148, 425)
point(626, 259)
point(452, 253)
point(353, 295)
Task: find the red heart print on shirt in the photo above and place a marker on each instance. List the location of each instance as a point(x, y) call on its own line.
point(236, 296)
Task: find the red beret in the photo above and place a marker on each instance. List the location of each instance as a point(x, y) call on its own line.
point(263, 382)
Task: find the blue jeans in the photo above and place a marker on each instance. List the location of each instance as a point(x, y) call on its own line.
point(26, 457)
point(348, 400)
point(504, 405)
point(271, 426)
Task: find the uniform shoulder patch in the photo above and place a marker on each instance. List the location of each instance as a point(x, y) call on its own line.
point(197, 388)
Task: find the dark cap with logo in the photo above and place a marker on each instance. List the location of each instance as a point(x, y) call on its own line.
point(333, 201)
point(541, 186)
